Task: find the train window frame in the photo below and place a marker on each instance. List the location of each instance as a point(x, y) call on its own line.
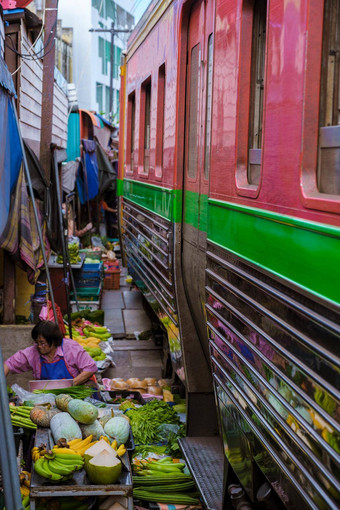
point(249, 58)
point(160, 130)
point(144, 133)
point(193, 177)
point(208, 106)
point(131, 132)
point(312, 197)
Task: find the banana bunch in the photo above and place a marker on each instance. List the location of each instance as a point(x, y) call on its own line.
point(76, 446)
point(25, 483)
point(58, 466)
point(38, 451)
point(121, 450)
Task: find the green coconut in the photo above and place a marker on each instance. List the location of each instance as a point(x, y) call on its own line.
point(104, 468)
point(100, 446)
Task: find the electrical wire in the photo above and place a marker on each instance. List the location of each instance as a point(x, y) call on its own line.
point(36, 55)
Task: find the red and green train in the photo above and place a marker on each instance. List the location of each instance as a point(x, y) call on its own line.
point(229, 185)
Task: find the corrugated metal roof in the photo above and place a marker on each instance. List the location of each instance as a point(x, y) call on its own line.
point(5, 78)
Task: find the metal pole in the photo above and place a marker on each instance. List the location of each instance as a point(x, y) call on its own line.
point(63, 244)
point(112, 63)
point(8, 458)
point(29, 183)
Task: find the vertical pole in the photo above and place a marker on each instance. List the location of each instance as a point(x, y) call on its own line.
point(9, 290)
point(112, 64)
point(51, 14)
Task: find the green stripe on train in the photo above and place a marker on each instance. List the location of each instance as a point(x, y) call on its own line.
point(303, 252)
point(300, 251)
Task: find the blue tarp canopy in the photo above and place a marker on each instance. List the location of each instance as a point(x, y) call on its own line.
point(10, 148)
point(87, 178)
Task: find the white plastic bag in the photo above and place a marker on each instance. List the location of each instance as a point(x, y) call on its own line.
point(37, 398)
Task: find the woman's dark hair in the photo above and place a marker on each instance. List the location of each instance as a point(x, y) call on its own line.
point(48, 330)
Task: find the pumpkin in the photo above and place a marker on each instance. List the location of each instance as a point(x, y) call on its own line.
point(84, 412)
point(62, 401)
point(64, 426)
point(42, 416)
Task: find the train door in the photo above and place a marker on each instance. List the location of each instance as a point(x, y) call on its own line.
point(197, 160)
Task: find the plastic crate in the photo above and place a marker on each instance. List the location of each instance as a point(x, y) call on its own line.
point(87, 293)
point(87, 282)
point(112, 279)
point(85, 305)
point(96, 267)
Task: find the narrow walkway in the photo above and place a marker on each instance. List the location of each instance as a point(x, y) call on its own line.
point(126, 318)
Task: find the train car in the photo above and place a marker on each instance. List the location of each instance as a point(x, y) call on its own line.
point(229, 184)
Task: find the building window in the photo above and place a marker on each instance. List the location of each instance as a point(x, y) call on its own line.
point(328, 173)
point(99, 97)
point(117, 55)
point(108, 107)
point(160, 121)
point(145, 117)
point(207, 143)
point(257, 88)
point(193, 123)
point(130, 148)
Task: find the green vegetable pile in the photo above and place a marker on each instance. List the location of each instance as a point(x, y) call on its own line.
point(20, 417)
point(145, 420)
point(163, 481)
point(79, 392)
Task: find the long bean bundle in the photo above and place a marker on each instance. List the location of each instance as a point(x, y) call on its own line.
point(20, 417)
point(80, 391)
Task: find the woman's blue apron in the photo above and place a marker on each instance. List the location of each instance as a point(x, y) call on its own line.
point(54, 370)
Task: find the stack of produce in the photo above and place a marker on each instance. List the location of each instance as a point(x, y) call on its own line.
point(25, 483)
point(73, 250)
point(163, 481)
point(149, 385)
point(20, 417)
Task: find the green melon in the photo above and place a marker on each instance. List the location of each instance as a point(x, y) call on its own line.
point(104, 468)
point(84, 412)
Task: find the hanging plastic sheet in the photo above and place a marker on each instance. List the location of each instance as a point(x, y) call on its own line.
point(10, 155)
point(107, 176)
point(87, 179)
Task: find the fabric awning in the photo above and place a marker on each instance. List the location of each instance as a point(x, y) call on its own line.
point(10, 149)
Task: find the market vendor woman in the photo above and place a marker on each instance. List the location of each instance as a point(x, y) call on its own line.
point(52, 357)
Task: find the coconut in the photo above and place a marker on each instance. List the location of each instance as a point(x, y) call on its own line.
point(104, 468)
point(100, 446)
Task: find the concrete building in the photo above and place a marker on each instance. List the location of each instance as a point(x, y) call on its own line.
point(91, 50)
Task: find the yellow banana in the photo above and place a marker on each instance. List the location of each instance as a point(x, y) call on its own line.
point(24, 490)
point(82, 444)
point(121, 450)
point(64, 450)
point(105, 439)
point(83, 450)
point(74, 442)
point(114, 444)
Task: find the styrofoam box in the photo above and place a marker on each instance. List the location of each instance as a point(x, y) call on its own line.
point(85, 305)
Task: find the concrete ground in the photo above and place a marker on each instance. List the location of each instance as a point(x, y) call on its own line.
point(126, 317)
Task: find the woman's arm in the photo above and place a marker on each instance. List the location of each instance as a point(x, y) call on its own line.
point(6, 370)
point(82, 377)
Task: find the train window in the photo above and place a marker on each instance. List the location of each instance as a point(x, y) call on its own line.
point(328, 174)
point(193, 86)
point(257, 88)
point(208, 108)
point(145, 116)
point(160, 121)
point(131, 132)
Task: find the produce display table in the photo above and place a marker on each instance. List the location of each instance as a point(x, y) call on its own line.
point(79, 485)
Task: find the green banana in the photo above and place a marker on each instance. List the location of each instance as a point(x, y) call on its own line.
point(53, 476)
point(60, 469)
point(74, 467)
point(69, 456)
